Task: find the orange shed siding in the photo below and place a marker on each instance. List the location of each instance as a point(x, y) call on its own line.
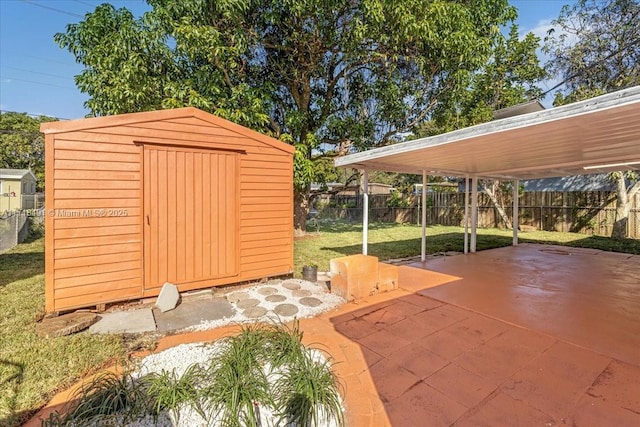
point(115, 171)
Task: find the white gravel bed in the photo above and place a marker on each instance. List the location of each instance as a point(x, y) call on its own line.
point(178, 359)
point(329, 301)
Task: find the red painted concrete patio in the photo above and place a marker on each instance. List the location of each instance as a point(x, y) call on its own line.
point(527, 335)
point(522, 336)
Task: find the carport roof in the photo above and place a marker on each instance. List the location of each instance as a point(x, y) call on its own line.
point(598, 135)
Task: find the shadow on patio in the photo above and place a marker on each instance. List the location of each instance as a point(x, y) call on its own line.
point(409, 359)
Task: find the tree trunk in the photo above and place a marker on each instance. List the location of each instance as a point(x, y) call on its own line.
point(300, 212)
point(492, 192)
point(622, 208)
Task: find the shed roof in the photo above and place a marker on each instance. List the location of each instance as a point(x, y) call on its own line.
point(598, 135)
point(160, 115)
point(16, 173)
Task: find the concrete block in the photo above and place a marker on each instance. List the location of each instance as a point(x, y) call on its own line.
point(387, 277)
point(133, 322)
point(354, 276)
point(168, 298)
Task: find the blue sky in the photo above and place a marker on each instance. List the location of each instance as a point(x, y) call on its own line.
point(36, 76)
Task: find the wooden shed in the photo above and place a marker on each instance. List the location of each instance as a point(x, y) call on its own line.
point(181, 196)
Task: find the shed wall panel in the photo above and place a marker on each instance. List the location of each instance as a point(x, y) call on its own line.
point(97, 172)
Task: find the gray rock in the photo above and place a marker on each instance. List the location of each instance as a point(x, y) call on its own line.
point(310, 301)
point(168, 298)
point(286, 310)
point(275, 298)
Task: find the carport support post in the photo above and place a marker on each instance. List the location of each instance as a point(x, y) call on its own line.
point(466, 214)
point(365, 212)
point(516, 184)
point(423, 254)
point(474, 213)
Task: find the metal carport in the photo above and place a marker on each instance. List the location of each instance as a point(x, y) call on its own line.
point(597, 135)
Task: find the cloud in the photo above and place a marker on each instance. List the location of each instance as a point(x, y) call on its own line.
point(6, 81)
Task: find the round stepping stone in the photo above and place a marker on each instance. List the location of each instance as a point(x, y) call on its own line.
point(299, 293)
point(292, 285)
point(237, 296)
point(254, 312)
point(275, 298)
point(247, 303)
point(310, 301)
point(267, 290)
point(273, 282)
point(286, 309)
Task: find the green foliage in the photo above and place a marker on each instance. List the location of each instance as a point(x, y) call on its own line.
point(307, 391)
point(22, 144)
point(593, 46)
point(507, 79)
point(107, 399)
point(236, 379)
point(397, 200)
point(168, 392)
point(328, 76)
point(232, 387)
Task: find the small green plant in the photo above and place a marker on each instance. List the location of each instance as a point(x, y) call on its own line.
point(237, 381)
point(307, 392)
point(108, 399)
point(397, 201)
point(168, 392)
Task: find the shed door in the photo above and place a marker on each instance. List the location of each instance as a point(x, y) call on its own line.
point(190, 216)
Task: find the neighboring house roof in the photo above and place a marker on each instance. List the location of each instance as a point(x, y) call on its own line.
point(16, 174)
point(516, 110)
point(596, 182)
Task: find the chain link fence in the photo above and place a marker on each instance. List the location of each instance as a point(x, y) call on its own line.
point(14, 229)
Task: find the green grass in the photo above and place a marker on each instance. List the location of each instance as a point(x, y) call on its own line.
point(33, 368)
point(389, 241)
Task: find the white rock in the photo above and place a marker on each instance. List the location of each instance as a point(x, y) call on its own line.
point(168, 298)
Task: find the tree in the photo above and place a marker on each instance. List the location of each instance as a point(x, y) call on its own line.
point(509, 78)
point(594, 46)
point(327, 76)
point(22, 144)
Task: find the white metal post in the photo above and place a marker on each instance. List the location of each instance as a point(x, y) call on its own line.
point(516, 206)
point(423, 255)
point(365, 212)
point(466, 214)
point(474, 213)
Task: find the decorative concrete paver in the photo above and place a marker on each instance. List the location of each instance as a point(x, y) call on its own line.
point(292, 285)
point(254, 312)
point(267, 290)
point(310, 301)
point(237, 296)
point(246, 303)
point(275, 298)
point(286, 310)
point(300, 293)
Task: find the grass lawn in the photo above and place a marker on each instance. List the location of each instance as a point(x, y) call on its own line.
point(33, 368)
point(388, 241)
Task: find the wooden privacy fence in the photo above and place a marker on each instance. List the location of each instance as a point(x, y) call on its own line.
point(591, 213)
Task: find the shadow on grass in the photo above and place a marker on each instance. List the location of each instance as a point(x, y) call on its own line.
point(629, 246)
point(411, 247)
point(11, 377)
point(20, 265)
